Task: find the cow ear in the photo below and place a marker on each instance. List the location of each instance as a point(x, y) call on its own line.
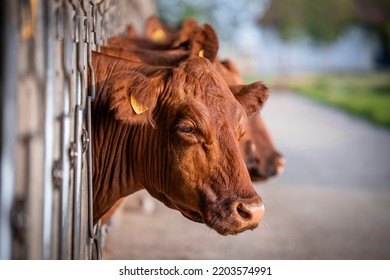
point(252, 97)
point(189, 27)
point(132, 97)
point(210, 44)
point(205, 43)
point(155, 30)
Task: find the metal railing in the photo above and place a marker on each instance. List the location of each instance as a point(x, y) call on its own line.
point(47, 89)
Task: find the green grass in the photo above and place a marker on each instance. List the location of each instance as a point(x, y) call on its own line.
point(362, 94)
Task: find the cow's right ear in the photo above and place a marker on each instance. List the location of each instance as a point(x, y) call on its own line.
point(132, 97)
point(252, 97)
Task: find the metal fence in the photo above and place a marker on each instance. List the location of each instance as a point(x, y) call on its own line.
point(46, 91)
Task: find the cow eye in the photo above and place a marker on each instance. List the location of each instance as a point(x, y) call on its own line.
point(186, 129)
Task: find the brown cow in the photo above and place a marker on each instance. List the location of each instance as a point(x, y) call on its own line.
point(175, 132)
point(261, 157)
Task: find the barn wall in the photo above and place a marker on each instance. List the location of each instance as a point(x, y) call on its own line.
point(46, 84)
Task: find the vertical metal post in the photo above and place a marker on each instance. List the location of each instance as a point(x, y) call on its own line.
point(49, 132)
point(62, 171)
point(80, 210)
point(8, 53)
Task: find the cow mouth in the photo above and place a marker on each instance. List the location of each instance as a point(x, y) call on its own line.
point(221, 228)
point(189, 214)
point(225, 229)
point(193, 216)
point(223, 221)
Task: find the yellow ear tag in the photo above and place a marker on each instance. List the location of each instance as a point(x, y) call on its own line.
point(28, 20)
point(137, 107)
point(201, 53)
point(158, 35)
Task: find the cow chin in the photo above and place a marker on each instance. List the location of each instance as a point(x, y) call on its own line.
point(186, 212)
point(192, 215)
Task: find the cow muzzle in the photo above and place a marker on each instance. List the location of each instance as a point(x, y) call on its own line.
point(259, 171)
point(233, 216)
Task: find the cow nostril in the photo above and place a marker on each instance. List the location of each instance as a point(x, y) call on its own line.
point(242, 211)
point(249, 212)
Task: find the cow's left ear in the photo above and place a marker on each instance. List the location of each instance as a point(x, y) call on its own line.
point(132, 97)
point(252, 97)
point(210, 44)
point(204, 42)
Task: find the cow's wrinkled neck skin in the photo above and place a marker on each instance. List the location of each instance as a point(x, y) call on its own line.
point(110, 146)
point(113, 175)
point(112, 141)
point(128, 156)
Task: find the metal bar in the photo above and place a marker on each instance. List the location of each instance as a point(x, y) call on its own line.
point(78, 249)
point(66, 58)
point(8, 78)
point(77, 199)
point(49, 137)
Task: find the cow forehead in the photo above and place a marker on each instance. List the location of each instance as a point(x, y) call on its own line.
point(202, 87)
point(197, 78)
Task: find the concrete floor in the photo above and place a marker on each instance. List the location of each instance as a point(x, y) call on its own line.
point(332, 202)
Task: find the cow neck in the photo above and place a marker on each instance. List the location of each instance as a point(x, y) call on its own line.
point(113, 143)
point(113, 160)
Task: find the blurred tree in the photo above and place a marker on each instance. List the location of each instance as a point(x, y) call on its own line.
point(374, 16)
point(226, 16)
point(325, 21)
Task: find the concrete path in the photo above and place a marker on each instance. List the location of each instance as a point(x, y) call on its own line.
point(332, 202)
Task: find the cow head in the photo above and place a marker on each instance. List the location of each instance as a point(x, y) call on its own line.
point(188, 129)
